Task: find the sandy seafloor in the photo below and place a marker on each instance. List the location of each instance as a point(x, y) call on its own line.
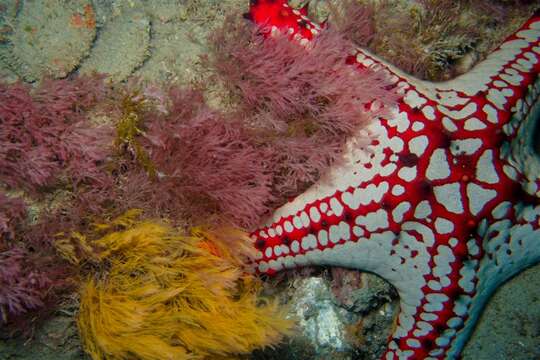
point(160, 41)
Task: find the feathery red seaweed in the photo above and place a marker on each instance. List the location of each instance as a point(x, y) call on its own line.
point(303, 102)
point(44, 133)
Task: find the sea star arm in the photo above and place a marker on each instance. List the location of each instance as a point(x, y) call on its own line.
point(443, 204)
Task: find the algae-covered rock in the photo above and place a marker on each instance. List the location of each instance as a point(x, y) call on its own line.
point(49, 38)
point(179, 37)
point(175, 55)
point(121, 47)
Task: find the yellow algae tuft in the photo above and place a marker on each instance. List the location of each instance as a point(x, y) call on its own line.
point(160, 294)
point(128, 129)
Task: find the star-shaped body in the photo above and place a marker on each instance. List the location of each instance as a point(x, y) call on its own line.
point(444, 202)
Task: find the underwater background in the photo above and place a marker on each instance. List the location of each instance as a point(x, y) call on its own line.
point(125, 120)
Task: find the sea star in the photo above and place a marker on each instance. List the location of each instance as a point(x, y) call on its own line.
point(444, 204)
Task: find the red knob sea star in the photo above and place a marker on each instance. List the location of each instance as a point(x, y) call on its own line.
point(445, 204)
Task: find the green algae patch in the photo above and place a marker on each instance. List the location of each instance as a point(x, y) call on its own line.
point(50, 38)
point(121, 48)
